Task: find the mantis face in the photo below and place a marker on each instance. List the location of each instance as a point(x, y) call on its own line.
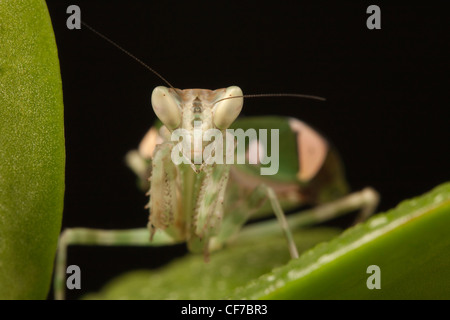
point(194, 111)
point(178, 109)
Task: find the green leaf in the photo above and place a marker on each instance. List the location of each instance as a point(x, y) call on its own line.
point(191, 278)
point(31, 149)
point(410, 244)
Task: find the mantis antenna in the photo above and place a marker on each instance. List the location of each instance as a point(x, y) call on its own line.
point(264, 95)
point(127, 53)
point(268, 95)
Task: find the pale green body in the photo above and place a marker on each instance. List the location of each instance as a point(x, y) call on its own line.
point(217, 201)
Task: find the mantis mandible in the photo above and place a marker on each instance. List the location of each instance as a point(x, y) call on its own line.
point(206, 204)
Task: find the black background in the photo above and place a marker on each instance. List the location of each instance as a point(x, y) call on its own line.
point(386, 90)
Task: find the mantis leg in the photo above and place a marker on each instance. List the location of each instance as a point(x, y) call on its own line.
point(281, 217)
point(233, 221)
point(366, 200)
point(84, 236)
point(369, 200)
point(140, 166)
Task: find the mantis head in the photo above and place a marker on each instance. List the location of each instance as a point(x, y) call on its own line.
point(178, 109)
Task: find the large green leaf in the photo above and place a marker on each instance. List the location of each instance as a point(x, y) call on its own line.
point(410, 245)
point(191, 278)
point(31, 149)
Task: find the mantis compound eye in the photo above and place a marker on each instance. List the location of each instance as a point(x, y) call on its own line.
point(228, 109)
point(166, 107)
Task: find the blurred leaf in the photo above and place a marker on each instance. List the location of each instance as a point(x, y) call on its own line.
point(31, 149)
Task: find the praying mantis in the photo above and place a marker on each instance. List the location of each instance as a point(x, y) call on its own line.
point(207, 203)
